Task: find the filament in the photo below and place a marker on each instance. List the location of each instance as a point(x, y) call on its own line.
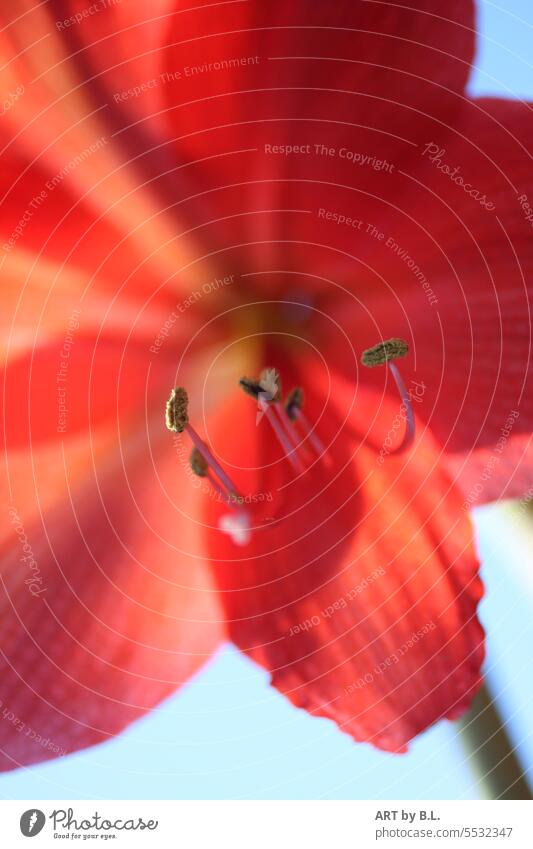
point(409, 435)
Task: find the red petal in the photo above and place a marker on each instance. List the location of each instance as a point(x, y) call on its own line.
point(120, 49)
point(358, 591)
point(483, 410)
point(67, 127)
point(79, 384)
point(245, 78)
point(111, 610)
point(471, 345)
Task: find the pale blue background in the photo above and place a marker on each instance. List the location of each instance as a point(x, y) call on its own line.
point(229, 735)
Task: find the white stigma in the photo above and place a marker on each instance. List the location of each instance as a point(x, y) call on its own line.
point(237, 526)
point(269, 383)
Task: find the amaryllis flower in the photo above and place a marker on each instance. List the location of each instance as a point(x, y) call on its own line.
point(191, 196)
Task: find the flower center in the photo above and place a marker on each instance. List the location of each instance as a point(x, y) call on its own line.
point(300, 443)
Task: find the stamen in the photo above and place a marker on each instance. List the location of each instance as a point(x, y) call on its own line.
point(294, 402)
point(289, 429)
point(268, 386)
point(273, 376)
point(384, 353)
point(270, 383)
point(281, 436)
point(236, 524)
point(294, 409)
point(267, 391)
point(311, 435)
point(177, 420)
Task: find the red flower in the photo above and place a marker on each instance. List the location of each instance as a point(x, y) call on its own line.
point(192, 195)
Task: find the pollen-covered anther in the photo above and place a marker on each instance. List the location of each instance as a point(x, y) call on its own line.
point(176, 413)
point(294, 402)
point(383, 352)
point(267, 393)
point(270, 383)
point(250, 386)
point(199, 464)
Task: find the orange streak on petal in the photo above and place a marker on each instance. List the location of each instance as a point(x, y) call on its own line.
point(65, 122)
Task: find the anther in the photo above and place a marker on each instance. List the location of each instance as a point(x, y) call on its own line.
point(384, 353)
point(294, 403)
point(199, 464)
point(270, 383)
point(176, 414)
point(250, 386)
point(294, 409)
point(200, 467)
point(267, 388)
point(267, 391)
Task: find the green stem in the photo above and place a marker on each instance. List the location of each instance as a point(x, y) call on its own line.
point(491, 752)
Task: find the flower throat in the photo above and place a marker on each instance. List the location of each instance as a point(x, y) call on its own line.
point(299, 441)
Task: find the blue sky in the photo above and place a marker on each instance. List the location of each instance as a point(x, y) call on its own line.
point(229, 735)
